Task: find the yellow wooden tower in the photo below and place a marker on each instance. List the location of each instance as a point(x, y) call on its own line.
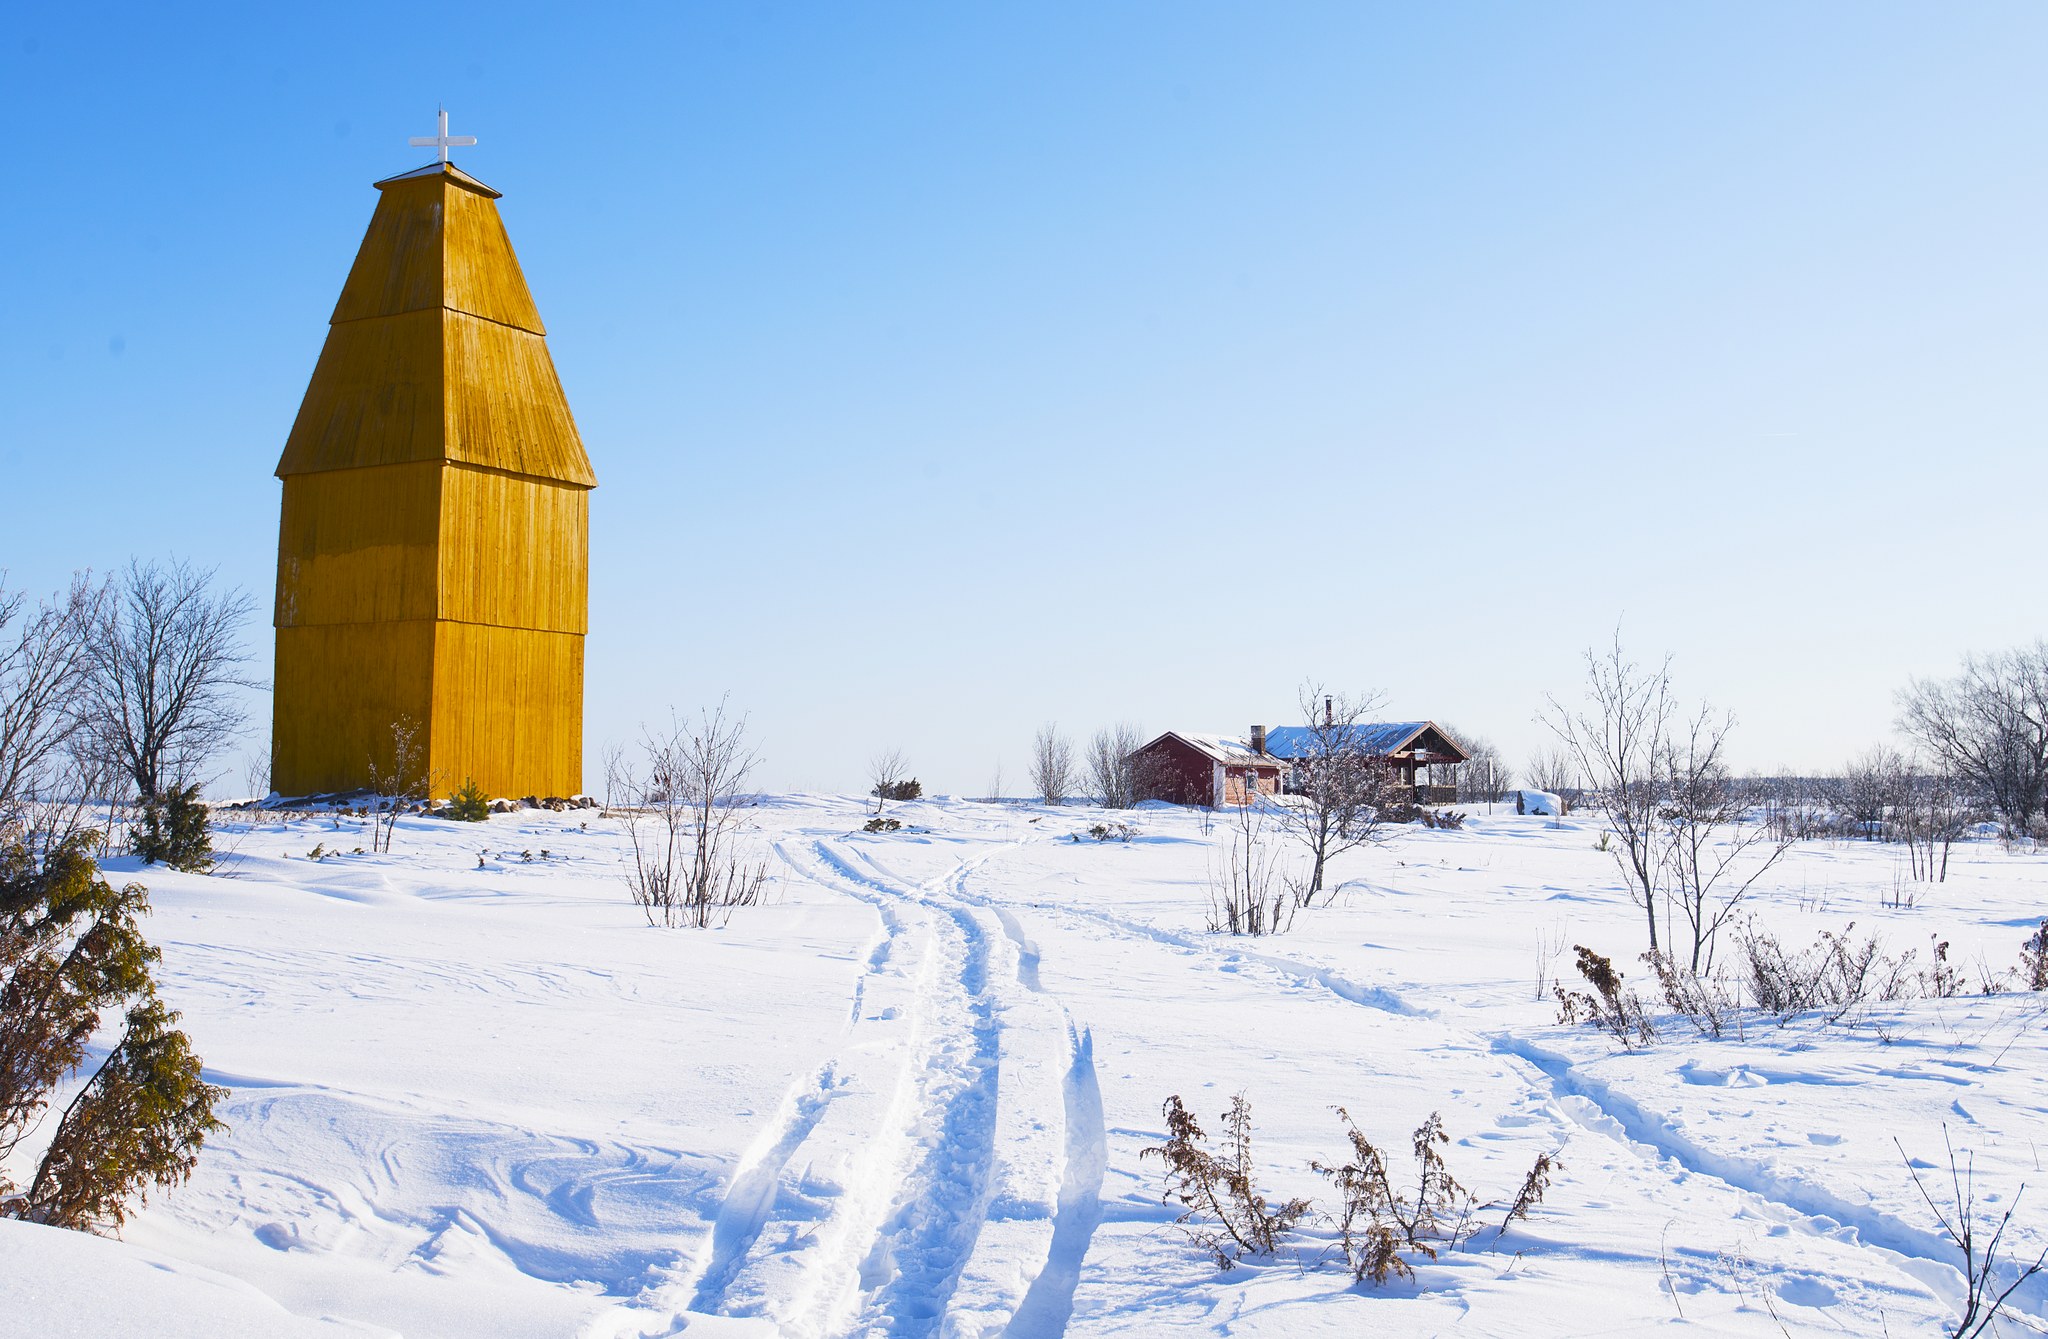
point(433, 557)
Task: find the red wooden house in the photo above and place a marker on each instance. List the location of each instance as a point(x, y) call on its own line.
point(1185, 768)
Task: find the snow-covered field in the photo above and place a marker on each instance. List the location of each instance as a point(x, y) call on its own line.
point(908, 1095)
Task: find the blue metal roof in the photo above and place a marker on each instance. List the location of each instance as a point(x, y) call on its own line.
point(1298, 741)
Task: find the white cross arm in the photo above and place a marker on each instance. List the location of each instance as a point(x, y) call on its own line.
point(438, 141)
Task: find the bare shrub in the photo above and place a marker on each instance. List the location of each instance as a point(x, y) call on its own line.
point(686, 825)
point(1610, 1007)
point(1222, 1210)
point(1248, 891)
point(1982, 1258)
point(1931, 815)
point(1795, 808)
point(1703, 1001)
point(1052, 764)
point(1481, 778)
point(2034, 959)
point(1870, 787)
point(401, 779)
point(1942, 980)
point(1837, 974)
point(1534, 1186)
point(1378, 1221)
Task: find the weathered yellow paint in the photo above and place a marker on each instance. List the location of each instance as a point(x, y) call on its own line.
point(434, 546)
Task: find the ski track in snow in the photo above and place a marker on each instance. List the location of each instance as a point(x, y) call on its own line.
point(897, 1236)
point(744, 1209)
point(1305, 973)
point(1807, 1207)
point(1049, 1303)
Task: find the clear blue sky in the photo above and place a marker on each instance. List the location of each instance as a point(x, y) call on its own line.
point(953, 368)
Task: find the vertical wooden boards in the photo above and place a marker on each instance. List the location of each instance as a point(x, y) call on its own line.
point(360, 546)
point(437, 241)
point(480, 274)
point(513, 551)
point(503, 403)
point(436, 385)
point(339, 688)
point(508, 709)
point(375, 397)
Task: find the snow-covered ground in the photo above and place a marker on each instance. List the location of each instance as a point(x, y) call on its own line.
point(908, 1094)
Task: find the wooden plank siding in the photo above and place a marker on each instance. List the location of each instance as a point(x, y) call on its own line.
point(513, 551)
point(508, 709)
point(337, 690)
point(502, 706)
point(360, 546)
point(436, 385)
point(437, 241)
point(433, 548)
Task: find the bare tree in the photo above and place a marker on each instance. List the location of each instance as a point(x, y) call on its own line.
point(1052, 764)
point(1340, 790)
point(1711, 856)
point(1115, 771)
point(995, 784)
point(45, 657)
point(1932, 812)
point(885, 770)
point(402, 782)
point(686, 825)
point(1483, 775)
point(1870, 787)
point(1989, 727)
point(1614, 739)
point(1555, 771)
point(165, 660)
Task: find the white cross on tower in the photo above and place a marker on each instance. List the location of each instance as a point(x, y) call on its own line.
point(443, 140)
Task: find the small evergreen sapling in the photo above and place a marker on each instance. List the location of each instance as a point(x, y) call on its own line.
point(470, 804)
point(174, 831)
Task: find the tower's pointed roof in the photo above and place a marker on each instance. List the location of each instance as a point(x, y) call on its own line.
point(435, 350)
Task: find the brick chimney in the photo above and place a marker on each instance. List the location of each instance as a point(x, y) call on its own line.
point(1259, 740)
